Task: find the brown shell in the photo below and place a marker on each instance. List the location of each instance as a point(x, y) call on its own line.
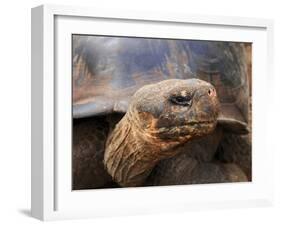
point(107, 71)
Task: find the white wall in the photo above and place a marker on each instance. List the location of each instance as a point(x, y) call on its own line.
point(15, 111)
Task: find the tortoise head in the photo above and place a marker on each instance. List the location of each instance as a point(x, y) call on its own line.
point(175, 109)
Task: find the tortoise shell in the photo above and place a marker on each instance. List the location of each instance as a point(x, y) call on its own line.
point(107, 71)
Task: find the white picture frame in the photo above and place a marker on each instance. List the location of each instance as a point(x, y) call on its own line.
point(52, 197)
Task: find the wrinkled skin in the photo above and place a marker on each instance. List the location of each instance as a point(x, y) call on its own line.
point(161, 118)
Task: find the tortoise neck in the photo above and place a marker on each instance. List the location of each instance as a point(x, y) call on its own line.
point(131, 154)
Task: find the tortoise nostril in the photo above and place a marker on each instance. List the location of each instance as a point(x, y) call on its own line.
point(212, 92)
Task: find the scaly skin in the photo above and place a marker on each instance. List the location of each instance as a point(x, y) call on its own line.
point(161, 118)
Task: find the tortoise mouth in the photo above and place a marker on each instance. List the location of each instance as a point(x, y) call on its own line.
point(192, 124)
point(189, 129)
point(201, 122)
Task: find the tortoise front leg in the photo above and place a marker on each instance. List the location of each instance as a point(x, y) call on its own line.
point(236, 149)
point(186, 170)
point(214, 172)
point(195, 164)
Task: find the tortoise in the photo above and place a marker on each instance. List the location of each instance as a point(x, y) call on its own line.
point(159, 112)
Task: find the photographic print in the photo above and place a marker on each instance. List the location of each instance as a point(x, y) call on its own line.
point(154, 112)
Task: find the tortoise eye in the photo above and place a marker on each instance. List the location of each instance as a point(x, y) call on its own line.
point(181, 100)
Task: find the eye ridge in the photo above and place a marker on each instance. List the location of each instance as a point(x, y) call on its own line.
point(181, 100)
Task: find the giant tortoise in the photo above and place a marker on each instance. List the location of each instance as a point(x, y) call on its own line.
point(159, 112)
